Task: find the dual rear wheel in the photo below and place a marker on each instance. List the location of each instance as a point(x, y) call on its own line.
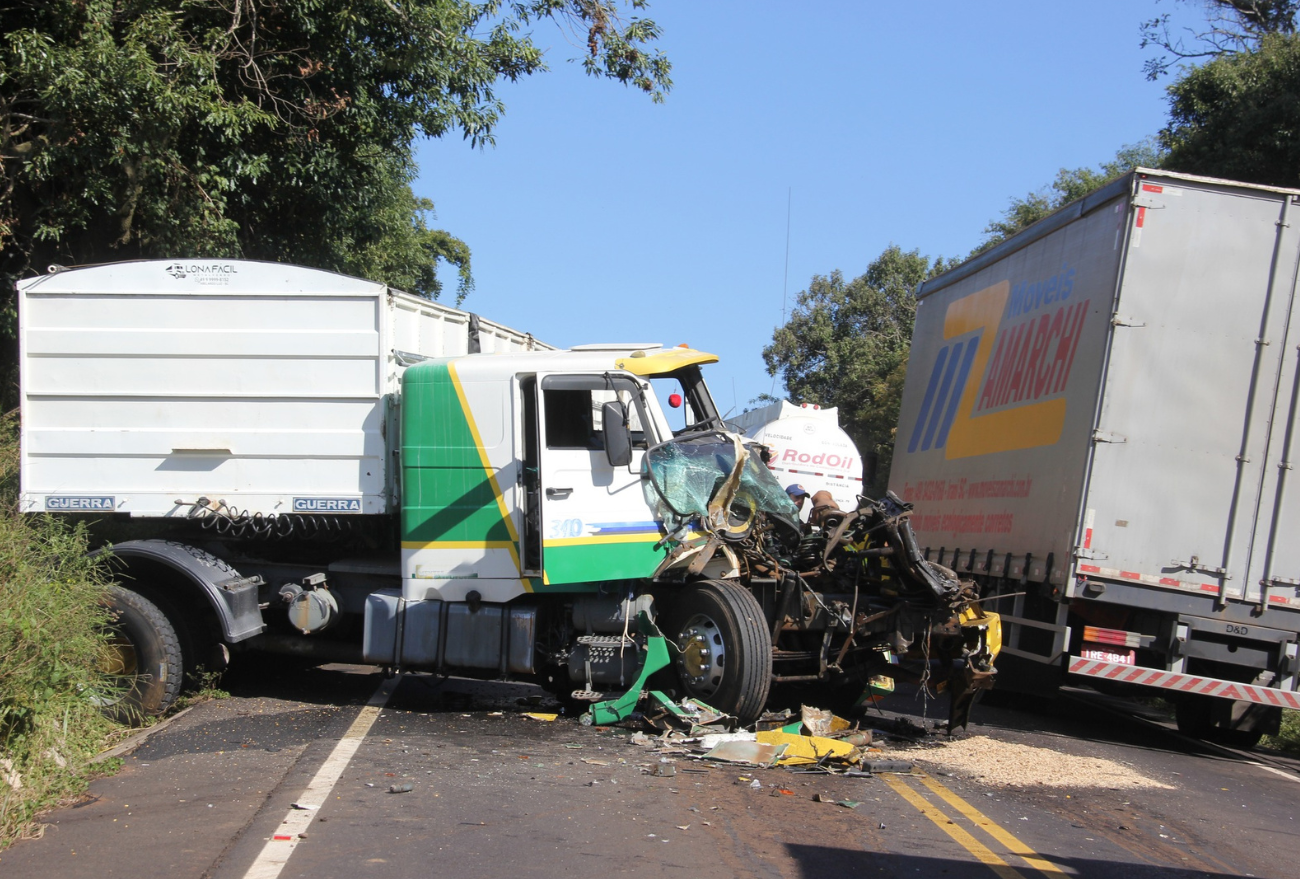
point(143, 660)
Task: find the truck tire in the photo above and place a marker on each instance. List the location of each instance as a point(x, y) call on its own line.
point(722, 649)
point(144, 661)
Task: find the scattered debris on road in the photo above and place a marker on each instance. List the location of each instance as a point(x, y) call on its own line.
point(1006, 764)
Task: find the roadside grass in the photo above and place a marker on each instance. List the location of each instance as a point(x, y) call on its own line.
point(52, 654)
point(204, 686)
point(1288, 738)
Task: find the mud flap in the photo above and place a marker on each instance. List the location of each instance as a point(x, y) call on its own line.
point(963, 684)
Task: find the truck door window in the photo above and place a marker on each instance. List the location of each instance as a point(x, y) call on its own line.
point(570, 421)
point(573, 411)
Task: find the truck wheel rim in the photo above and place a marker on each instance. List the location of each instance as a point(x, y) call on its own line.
point(120, 658)
point(119, 664)
point(702, 656)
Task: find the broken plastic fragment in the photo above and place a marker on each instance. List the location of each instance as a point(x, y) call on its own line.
point(816, 720)
point(757, 753)
point(712, 740)
point(859, 738)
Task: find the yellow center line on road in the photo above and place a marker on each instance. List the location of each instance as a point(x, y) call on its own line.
point(1013, 845)
point(964, 839)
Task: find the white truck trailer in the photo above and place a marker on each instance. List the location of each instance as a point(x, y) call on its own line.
point(319, 465)
point(808, 448)
point(1098, 422)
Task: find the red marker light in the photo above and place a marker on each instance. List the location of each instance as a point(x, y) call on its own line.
point(675, 400)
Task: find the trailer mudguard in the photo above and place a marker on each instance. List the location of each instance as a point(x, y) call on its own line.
point(233, 597)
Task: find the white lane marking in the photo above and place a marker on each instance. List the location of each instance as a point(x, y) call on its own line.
point(275, 854)
point(1289, 776)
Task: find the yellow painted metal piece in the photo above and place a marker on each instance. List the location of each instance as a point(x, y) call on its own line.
point(974, 615)
point(663, 361)
point(805, 749)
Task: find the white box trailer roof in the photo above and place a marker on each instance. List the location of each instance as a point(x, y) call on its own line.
point(149, 385)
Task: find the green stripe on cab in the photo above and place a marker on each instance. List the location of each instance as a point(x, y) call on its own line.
point(447, 493)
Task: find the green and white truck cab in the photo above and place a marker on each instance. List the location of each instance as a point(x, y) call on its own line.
point(509, 485)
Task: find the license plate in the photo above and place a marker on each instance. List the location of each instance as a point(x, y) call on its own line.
point(1102, 653)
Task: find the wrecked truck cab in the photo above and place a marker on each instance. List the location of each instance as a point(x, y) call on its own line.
point(711, 479)
point(853, 601)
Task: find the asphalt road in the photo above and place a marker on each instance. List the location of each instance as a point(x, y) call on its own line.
point(494, 792)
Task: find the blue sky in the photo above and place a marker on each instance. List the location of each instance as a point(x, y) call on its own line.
point(601, 216)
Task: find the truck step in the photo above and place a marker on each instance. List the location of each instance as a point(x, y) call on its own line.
point(608, 641)
point(591, 696)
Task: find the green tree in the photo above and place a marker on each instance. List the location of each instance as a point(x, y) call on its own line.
point(846, 345)
point(273, 129)
point(1231, 26)
point(1070, 184)
point(1239, 116)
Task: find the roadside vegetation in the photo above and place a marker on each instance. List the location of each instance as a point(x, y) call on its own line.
point(52, 655)
point(1288, 738)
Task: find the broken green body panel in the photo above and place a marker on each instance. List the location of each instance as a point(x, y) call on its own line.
point(656, 657)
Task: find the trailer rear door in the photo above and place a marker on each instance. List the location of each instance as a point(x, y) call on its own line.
point(1179, 453)
point(1275, 554)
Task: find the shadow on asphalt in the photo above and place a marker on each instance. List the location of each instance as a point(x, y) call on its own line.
point(818, 862)
point(266, 676)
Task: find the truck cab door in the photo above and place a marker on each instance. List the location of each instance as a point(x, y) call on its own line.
point(594, 523)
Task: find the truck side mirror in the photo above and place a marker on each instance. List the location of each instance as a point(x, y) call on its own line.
point(618, 439)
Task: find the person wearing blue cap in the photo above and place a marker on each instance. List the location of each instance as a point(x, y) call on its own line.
point(797, 494)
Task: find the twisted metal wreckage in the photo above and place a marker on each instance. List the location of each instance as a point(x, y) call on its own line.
point(848, 599)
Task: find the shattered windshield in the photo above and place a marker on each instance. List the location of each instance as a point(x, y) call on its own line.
point(696, 478)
